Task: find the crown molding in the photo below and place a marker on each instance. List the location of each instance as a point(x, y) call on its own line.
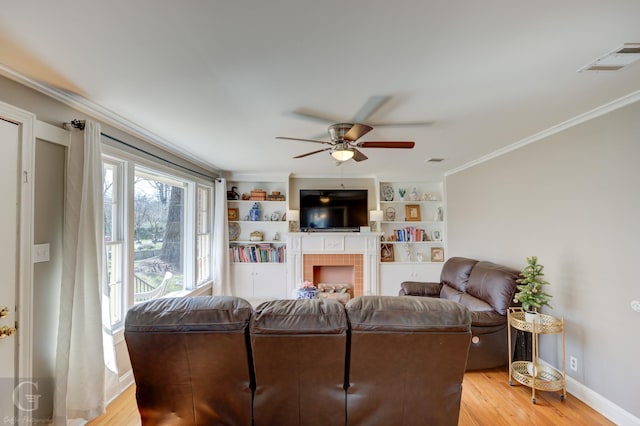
point(102, 114)
point(590, 115)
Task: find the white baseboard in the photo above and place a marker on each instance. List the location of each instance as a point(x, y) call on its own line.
point(126, 380)
point(599, 403)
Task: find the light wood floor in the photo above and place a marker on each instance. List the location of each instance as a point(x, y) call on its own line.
point(487, 399)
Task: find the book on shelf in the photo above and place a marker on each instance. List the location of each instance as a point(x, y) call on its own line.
point(410, 234)
point(258, 253)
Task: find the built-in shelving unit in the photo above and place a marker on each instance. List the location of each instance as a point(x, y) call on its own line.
point(412, 245)
point(258, 242)
point(412, 223)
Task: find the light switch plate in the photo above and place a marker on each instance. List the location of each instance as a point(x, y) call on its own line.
point(40, 253)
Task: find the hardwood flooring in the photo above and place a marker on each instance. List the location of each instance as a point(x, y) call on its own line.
point(487, 399)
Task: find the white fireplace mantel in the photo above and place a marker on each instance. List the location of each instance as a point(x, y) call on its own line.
point(364, 243)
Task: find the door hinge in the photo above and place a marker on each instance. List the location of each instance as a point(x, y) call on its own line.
point(25, 175)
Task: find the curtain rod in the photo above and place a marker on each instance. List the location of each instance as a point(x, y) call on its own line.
point(80, 124)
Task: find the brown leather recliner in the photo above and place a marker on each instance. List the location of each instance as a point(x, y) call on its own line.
point(299, 354)
point(487, 290)
point(191, 360)
point(407, 360)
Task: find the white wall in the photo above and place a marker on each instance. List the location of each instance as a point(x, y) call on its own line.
point(572, 199)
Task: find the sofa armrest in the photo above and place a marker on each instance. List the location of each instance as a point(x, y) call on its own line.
point(417, 288)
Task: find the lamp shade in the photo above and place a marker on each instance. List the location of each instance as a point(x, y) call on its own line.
point(375, 215)
point(293, 215)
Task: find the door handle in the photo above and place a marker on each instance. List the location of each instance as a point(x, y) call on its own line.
point(4, 312)
point(7, 331)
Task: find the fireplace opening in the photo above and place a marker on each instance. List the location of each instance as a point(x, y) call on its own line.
point(334, 274)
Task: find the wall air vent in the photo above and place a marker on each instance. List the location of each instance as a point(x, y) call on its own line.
point(616, 60)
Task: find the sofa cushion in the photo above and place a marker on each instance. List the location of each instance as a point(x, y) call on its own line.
point(450, 293)
point(495, 284)
point(474, 304)
point(455, 273)
point(315, 316)
point(406, 313)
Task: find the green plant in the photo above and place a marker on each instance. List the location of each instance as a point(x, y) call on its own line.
point(531, 293)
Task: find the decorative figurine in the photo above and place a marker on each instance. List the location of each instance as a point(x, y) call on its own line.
point(233, 194)
point(254, 213)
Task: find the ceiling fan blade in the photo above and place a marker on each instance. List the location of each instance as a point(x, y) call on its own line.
point(311, 153)
point(303, 140)
point(403, 123)
point(358, 155)
point(369, 108)
point(386, 144)
point(310, 114)
point(356, 132)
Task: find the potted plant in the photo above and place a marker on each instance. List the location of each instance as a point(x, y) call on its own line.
point(530, 289)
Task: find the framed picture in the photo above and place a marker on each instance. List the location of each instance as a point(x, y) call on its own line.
point(413, 212)
point(436, 235)
point(386, 253)
point(233, 213)
point(437, 254)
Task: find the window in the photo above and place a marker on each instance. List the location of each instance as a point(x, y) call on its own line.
point(157, 232)
point(114, 238)
point(203, 235)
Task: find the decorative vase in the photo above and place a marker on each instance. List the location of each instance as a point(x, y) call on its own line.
point(413, 195)
point(254, 213)
point(531, 316)
point(307, 293)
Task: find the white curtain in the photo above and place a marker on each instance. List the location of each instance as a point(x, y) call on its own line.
point(222, 278)
point(83, 382)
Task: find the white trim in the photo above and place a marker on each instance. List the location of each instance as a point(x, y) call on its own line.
point(53, 134)
point(601, 404)
point(26, 122)
point(589, 115)
point(126, 380)
point(596, 401)
point(102, 114)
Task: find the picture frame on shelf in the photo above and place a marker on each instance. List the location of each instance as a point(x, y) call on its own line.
point(387, 253)
point(386, 192)
point(436, 235)
point(390, 214)
point(233, 213)
point(437, 254)
point(413, 213)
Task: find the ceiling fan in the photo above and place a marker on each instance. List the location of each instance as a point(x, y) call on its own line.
point(343, 145)
point(370, 107)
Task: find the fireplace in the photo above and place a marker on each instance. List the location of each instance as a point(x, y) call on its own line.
point(350, 258)
point(335, 269)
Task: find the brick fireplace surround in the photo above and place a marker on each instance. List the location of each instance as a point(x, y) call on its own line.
point(326, 249)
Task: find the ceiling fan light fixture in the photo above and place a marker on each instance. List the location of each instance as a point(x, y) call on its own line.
point(342, 154)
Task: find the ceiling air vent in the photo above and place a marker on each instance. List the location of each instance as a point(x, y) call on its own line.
point(434, 160)
point(621, 57)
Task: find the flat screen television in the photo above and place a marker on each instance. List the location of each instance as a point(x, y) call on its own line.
point(333, 209)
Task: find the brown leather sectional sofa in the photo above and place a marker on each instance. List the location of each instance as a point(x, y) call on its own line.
point(376, 361)
point(487, 290)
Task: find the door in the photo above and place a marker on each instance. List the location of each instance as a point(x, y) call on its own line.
point(9, 231)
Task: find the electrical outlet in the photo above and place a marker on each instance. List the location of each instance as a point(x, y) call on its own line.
point(573, 363)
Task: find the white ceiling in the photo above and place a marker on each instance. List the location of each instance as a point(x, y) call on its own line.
point(220, 79)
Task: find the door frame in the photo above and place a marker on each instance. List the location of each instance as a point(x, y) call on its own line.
point(26, 122)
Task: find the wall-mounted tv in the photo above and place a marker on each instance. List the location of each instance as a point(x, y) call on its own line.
point(333, 209)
